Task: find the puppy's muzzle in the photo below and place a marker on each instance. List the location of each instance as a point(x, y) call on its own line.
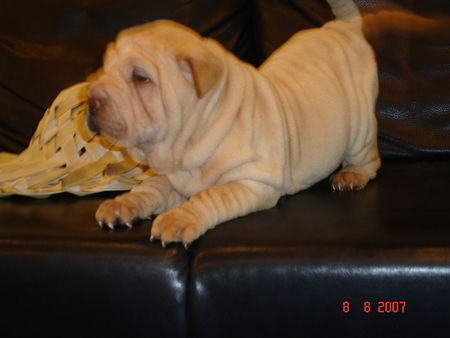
point(103, 118)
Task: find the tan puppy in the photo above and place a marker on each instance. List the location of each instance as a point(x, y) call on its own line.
point(227, 139)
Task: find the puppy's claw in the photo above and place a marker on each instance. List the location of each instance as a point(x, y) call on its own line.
point(110, 225)
point(152, 238)
point(100, 224)
point(163, 244)
point(186, 245)
point(129, 225)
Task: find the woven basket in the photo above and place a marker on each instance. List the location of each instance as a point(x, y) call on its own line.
point(65, 156)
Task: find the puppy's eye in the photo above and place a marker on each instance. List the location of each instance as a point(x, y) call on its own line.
point(139, 76)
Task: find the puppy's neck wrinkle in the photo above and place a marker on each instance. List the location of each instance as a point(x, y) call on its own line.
point(216, 115)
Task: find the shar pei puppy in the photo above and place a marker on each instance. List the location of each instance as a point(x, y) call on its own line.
point(226, 139)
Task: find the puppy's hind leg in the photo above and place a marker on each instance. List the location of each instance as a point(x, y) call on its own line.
point(357, 170)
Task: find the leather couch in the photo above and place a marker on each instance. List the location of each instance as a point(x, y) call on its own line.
point(374, 263)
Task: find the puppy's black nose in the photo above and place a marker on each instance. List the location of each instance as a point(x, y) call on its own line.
point(94, 105)
point(92, 125)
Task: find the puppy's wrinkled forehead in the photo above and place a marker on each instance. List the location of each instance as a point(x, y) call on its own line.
point(140, 52)
point(154, 36)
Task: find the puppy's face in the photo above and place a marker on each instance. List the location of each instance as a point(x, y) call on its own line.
point(152, 77)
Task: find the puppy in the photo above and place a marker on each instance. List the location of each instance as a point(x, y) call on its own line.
point(226, 139)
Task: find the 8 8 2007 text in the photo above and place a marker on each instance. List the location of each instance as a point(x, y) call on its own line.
point(377, 307)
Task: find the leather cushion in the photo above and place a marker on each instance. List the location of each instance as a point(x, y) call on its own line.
point(62, 276)
point(287, 271)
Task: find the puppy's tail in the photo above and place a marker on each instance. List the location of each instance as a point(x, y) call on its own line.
point(346, 10)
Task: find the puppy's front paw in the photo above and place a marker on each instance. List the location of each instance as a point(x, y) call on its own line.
point(176, 225)
point(124, 209)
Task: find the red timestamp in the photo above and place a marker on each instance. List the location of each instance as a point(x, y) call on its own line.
point(377, 307)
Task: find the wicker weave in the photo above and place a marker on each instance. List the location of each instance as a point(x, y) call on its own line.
point(65, 156)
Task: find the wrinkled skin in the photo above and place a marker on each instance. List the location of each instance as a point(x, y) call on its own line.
point(226, 139)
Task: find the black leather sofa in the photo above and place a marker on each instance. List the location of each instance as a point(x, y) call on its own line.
point(374, 263)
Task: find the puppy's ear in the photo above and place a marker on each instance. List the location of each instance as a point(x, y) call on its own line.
point(202, 67)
